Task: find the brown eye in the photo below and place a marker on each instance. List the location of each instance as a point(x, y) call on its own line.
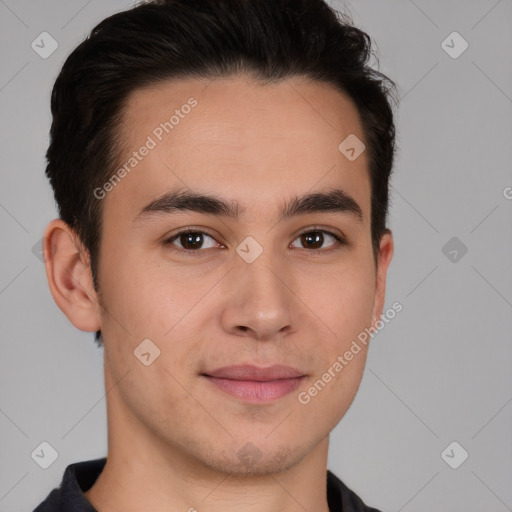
point(189, 241)
point(315, 239)
point(312, 240)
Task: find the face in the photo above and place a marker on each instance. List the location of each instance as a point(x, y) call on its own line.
point(258, 288)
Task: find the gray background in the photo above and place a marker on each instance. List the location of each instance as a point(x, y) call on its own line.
point(439, 372)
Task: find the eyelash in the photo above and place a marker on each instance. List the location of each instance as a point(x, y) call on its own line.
point(339, 241)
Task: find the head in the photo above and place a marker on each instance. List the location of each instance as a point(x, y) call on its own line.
point(246, 102)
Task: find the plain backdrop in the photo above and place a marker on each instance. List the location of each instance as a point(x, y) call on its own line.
point(439, 373)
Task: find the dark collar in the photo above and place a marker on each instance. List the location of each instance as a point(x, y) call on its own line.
point(80, 477)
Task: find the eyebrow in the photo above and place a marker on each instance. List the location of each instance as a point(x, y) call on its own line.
point(333, 201)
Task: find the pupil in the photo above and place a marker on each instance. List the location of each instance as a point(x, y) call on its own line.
point(313, 238)
point(190, 239)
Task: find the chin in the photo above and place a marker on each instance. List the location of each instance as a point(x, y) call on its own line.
point(249, 460)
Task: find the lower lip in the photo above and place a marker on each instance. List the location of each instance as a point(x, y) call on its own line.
point(252, 391)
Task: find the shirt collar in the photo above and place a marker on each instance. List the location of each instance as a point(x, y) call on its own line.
point(80, 477)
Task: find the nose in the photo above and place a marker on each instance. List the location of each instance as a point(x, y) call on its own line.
point(259, 299)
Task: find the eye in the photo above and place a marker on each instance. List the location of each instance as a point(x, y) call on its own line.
point(314, 238)
point(190, 241)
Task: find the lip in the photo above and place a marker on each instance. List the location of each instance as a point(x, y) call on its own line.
point(254, 384)
point(255, 373)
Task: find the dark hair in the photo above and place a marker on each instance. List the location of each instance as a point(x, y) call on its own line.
point(178, 39)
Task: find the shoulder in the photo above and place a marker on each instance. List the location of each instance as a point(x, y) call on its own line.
point(343, 499)
point(68, 497)
point(51, 502)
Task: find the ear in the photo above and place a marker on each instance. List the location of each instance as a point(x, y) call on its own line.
point(384, 259)
point(67, 264)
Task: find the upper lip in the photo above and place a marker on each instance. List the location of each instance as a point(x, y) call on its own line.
point(255, 373)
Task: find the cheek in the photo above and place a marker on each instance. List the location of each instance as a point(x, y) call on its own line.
point(342, 297)
point(330, 393)
point(346, 309)
point(144, 297)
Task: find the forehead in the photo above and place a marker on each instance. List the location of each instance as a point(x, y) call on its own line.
point(240, 139)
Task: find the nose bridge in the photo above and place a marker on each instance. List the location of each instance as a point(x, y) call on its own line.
point(265, 278)
point(261, 301)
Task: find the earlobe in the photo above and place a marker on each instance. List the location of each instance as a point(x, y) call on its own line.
point(386, 250)
point(69, 276)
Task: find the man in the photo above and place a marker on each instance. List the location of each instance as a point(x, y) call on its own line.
point(221, 172)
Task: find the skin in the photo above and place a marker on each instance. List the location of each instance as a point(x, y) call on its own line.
point(173, 437)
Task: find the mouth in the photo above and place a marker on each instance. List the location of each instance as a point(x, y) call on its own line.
point(254, 384)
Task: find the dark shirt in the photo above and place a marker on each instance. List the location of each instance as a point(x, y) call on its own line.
point(80, 477)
